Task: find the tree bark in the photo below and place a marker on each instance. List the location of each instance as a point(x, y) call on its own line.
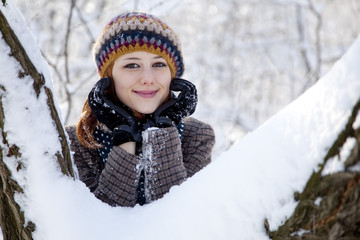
point(329, 206)
point(12, 221)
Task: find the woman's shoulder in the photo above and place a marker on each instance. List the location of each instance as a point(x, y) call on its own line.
point(74, 141)
point(80, 152)
point(198, 140)
point(195, 123)
point(71, 131)
point(193, 126)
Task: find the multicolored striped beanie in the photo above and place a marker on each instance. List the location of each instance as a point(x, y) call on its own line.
point(134, 31)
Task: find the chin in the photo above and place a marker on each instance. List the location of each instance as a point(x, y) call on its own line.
point(146, 107)
point(146, 110)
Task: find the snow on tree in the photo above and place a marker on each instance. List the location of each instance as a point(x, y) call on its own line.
point(296, 176)
point(27, 112)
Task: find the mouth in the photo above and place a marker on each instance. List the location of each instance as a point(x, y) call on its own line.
point(146, 93)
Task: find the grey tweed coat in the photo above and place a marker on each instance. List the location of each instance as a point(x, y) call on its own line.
point(165, 160)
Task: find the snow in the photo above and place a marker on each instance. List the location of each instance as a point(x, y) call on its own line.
point(336, 163)
point(318, 201)
point(356, 123)
point(17, 23)
point(229, 199)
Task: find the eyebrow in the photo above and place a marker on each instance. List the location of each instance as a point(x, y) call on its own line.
point(136, 58)
point(132, 58)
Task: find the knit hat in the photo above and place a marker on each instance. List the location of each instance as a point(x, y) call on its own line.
point(130, 32)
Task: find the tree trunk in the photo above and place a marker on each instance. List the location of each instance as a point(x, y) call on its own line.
point(329, 206)
point(12, 221)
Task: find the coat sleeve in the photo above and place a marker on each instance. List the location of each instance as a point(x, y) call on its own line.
point(163, 161)
point(114, 182)
point(119, 179)
point(168, 161)
point(87, 161)
point(197, 144)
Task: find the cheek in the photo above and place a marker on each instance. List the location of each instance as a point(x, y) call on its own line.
point(165, 79)
point(118, 77)
point(167, 91)
point(166, 85)
point(120, 88)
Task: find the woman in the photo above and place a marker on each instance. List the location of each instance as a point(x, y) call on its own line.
point(134, 139)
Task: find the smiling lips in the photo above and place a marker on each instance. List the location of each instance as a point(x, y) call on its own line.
point(146, 93)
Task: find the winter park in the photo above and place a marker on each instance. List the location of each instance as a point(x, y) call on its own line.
point(280, 89)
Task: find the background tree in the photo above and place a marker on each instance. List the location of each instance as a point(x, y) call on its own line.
point(248, 58)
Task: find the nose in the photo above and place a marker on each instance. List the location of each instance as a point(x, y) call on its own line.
point(147, 76)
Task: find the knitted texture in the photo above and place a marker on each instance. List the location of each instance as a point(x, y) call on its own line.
point(130, 32)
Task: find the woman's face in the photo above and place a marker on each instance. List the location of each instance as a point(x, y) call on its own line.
point(142, 81)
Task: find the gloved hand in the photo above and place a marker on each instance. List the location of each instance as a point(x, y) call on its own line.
point(122, 123)
point(176, 109)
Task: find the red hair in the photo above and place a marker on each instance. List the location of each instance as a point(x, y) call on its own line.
point(88, 121)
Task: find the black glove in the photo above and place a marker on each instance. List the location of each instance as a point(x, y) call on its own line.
point(124, 126)
point(176, 109)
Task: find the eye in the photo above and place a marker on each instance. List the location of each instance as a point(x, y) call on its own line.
point(131, 65)
point(159, 64)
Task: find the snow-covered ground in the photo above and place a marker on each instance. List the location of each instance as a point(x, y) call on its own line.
point(229, 199)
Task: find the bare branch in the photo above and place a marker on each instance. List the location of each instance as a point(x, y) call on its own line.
point(317, 36)
point(67, 37)
point(84, 23)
